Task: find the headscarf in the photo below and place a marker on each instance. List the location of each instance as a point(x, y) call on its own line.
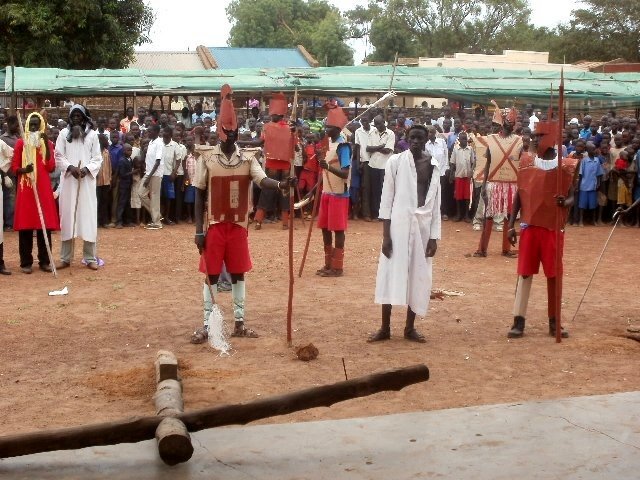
point(87, 124)
point(33, 142)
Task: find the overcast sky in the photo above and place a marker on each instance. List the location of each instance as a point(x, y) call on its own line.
point(204, 22)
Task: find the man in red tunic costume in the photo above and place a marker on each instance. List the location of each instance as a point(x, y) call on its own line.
point(537, 202)
point(334, 201)
point(276, 141)
point(223, 183)
point(33, 160)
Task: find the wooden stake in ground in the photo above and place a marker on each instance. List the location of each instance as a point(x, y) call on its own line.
point(292, 214)
point(174, 441)
point(144, 428)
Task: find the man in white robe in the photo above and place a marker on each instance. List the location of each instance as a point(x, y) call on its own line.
point(6, 154)
point(410, 210)
point(79, 159)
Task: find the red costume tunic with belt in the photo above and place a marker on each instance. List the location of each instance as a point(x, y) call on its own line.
point(227, 181)
point(26, 213)
point(277, 145)
point(537, 189)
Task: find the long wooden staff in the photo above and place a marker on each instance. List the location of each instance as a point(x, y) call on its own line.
point(559, 216)
point(34, 187)
point(75, 214)
point(292, 213)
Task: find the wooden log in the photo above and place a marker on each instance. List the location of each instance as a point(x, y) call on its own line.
point(168, 398)
point(174, 442)
point(166, 366)
point(143, 428)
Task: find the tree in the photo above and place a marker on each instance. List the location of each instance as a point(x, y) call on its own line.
point(437, 27)
point(314, 24)
point(63, 34)
point(602, 30)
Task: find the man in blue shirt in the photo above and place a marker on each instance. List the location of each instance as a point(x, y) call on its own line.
point(198, 114)
point(115, 155)
point(590, 175)
point(586, 124)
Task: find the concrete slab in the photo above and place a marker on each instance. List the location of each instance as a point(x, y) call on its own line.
point(586, 438)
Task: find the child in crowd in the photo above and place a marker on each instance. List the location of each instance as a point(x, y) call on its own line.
point(578, 153)
point(125, 183)
point(310, 167)
point(620, 174)
point(607, 163)
point(189, 175)
point(463, 162)
point(103, 183)
point(590, 176)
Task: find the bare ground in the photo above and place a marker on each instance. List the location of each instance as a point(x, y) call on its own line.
point(87, 357)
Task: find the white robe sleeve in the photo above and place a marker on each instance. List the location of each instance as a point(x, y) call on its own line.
point(6, 155)
point(62, 162)
point(95, 162)
point(436, 221)
point(388, 188)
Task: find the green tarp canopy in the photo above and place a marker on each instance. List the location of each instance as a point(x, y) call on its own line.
point(478, 85)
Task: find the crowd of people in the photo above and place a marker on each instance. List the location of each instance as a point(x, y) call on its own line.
point(145, 169)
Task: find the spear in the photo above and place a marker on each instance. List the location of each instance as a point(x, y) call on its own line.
point(292, 212)
point(559, 216)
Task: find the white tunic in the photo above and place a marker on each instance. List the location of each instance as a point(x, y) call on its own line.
point(80, 154)
point(405, 278)
point(6, 156)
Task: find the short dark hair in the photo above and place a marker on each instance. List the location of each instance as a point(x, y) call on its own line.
point(417, 126)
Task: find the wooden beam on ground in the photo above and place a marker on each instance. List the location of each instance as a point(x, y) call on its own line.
point(143, 428)
point(174, 441)
point(166, 366)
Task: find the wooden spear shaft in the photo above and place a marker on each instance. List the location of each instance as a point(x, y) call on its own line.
point(143, 428)
point(559, 216)
point(314, 211)
point(292, 213)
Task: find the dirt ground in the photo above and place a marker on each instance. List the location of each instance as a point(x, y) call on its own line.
point(88, 357)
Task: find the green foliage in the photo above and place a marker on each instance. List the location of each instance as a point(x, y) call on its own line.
point(287, 23)
point(86, 34)
point(436, 27)
point(601, 30)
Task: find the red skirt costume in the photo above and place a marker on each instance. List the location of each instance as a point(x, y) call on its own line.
point(537, 190)
point(26, 212)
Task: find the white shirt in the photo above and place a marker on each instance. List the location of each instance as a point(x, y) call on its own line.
point(170, 153)
point(464, 160)
point(438, 150)
point(388, 139)
point(532, 122)
point(154, 152)
point(362, 138)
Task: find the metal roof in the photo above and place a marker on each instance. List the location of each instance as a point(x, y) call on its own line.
point(231, 57)
point(173, 61)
